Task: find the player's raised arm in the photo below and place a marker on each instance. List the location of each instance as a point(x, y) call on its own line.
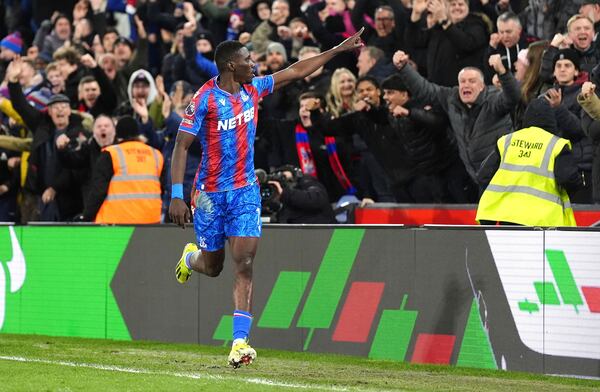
point(305, 67)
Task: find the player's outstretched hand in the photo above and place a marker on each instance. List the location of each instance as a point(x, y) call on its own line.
point(352, 42)
point(179, 212)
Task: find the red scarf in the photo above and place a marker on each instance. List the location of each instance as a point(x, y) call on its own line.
point(307, 161)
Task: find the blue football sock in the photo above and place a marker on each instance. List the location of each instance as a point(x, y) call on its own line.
point(242, 321)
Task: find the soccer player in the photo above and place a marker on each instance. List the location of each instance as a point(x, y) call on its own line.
point(226, 199)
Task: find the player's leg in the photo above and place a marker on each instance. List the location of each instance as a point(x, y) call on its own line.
point(243, 228)
point(243, 250)
point(210, 235)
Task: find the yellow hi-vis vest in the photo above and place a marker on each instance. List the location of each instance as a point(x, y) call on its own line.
point(524, 190)
point(134, 191)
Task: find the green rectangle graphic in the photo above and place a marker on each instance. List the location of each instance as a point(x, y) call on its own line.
point(330, 281)
point(284, 300)
point(393, 334)
point(564, 278)
point(546, 293)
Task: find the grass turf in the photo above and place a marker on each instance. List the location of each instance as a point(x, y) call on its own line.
point(39, 363)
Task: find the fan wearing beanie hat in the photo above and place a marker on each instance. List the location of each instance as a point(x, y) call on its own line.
point(11, 46)
point(566, 66)
point(276, 56)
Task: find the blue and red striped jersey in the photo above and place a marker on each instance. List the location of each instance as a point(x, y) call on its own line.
point(225, 124)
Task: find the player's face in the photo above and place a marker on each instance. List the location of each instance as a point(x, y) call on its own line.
point(243, 70)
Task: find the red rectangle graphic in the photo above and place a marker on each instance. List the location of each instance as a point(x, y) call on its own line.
point(431, 348)
point(358, 312)
point(592, 297)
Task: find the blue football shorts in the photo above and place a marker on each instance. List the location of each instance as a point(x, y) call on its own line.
point(219, 215)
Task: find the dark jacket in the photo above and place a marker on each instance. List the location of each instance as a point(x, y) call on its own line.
point(43, 153)
point(570, 116)
point(508, 55)
point(591, 126)
point(328, 39)
point(405, 147)
point(107, 101)
point(592, 130)
point(449, 51)
point(382, 69)
point(81, 157)
point(305, 202)
point(476, 128)
point(72, 85)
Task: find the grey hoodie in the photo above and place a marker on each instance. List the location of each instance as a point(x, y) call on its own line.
point(153, 91)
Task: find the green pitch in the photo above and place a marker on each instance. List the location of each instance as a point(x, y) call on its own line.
point(37, 363)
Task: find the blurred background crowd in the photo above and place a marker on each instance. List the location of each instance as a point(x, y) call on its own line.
point(359, 126)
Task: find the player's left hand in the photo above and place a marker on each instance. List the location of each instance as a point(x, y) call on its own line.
point(179, 212)
point(353, 42)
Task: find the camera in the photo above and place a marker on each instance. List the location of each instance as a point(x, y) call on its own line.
point(268, 192)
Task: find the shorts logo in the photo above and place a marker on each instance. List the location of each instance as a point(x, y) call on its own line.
point(202, 242)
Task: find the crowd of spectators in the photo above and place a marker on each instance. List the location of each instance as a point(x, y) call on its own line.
point(409, 118)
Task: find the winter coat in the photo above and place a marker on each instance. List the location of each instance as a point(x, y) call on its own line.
point(591, 126)
point(64, 181)
point(476, 128)
point(508, 55)
point(449, 51)
point(404, 147)
point(305, 202)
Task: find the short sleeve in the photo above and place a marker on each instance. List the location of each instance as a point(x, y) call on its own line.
point(263, 85)
point(194, 115)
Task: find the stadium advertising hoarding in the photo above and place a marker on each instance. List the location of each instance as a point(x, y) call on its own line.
point(502, 299)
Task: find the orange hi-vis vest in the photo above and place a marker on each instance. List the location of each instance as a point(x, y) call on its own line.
point(134, 191)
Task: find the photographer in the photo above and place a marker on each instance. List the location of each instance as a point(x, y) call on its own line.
point(303, 198)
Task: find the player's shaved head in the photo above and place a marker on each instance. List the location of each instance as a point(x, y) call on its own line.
point(226, 52)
